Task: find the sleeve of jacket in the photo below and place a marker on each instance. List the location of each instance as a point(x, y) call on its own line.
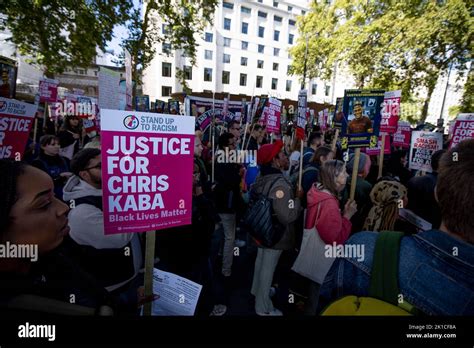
point(87, 228)
point(286, 206)
point(331, 225)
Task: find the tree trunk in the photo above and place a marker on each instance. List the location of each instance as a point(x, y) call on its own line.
point(424, 110)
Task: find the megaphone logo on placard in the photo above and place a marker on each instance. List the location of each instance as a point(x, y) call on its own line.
point(3, 105)
point(131, 122)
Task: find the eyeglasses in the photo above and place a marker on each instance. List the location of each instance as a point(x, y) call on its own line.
point(98, 165)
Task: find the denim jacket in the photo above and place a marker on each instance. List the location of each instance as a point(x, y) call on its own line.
point(436, 273)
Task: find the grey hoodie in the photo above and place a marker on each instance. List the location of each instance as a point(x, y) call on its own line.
point(87, 223)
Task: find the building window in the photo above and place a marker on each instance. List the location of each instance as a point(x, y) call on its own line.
point(314, 88)
point(290, 39)
point(164, 29)
point(288, 85)
point(277, 18)
point(226, 42)
point(262, 14)
point(243, 79)
point(259, 82)
point(245, 28)
point(303, 12)
point(275, 66)
point(245, 45)
point(208, 74)
point(228, 5)
point(226, 58)
point(291, 22)
point(327, 89)
point(225, 77)
point(165, 91)
point(208, 54)
point(227, 23)
point(276, 52)
point(188, 72)
point(243, 61)
point(259, 64)
point(166, 48)
point(260, 1)
point(274, 83)
point(261, 31)
point(208, 37)
point(261, 48)
point(288, 70)
point(276, 35)
point(290, 8)
point(275, 3)
point(166, 69)
point(244, 9)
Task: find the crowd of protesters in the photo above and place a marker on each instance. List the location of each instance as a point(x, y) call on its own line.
point(55, 201)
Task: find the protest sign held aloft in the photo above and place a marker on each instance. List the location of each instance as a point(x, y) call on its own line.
point(338, 114)
point(271, 114)
point(361, 121)
point(423, 145)
point(16, 120)
point(147, 170)
point(48, 90)
point(376, 150)
point(402, 137)
point(463, 129)
point(142, 103)
point(390, 111)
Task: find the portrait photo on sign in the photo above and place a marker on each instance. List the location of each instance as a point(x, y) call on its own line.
point(361, 116)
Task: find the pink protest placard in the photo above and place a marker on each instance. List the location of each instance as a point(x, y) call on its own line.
point(463, 129)
point(324, 125)
point(16, 120)
point(48, 90)
point(147, 170)
point(390, 111)
point(272, 115)
point(402, 137)
point(376, 150)
point(321, 119)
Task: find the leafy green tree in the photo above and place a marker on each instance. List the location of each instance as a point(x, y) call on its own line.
point(467, 100)
point(57, 34)
point(387, 44)
point(183, 20)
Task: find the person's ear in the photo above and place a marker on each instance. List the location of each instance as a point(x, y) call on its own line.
point(84, 175)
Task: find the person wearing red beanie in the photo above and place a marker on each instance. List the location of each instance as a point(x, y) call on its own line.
point(286, 208)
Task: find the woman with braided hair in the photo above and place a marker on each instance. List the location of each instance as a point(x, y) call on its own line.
point(386, 197)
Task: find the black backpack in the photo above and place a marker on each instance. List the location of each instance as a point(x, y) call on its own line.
point(260, 220)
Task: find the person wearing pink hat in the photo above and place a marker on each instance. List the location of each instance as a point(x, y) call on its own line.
point(286, 208)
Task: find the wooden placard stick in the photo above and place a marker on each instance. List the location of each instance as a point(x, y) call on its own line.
point(149, 266)
point(355, 172)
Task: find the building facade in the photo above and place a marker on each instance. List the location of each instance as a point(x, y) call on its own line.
point(245, 52)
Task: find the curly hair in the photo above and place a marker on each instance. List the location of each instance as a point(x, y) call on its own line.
point(10, 171)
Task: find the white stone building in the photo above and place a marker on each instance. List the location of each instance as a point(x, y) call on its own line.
point(244, 52)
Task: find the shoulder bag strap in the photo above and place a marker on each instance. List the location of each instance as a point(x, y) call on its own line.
point(384, 278)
